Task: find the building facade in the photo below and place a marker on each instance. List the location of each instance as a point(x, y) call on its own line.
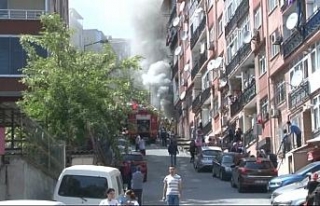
point(121, 47)
point(76, 26)
point(237, 64)
point(92, 37)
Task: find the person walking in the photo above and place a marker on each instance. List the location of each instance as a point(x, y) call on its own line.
point(110, 200)
point(311, 186)
point(142, 146)
point(192, 150)
point(173, 151)
point(172, 187)
point(286, 143)
point(137, 184)
point(294, 129)
point(137, 140)
point(131, 198)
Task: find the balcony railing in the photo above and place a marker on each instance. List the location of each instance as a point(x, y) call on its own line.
point(240, 12)
point(198, 64)
point(196, 103)
point(240, 56)
point(311, 26)
point(175, 69)
point(205, 94)
point(297, 96)
point(17, 14)
point(207, 128)
point(193, 7)
point(248, 137)
point(196, 34)
point(248, 94)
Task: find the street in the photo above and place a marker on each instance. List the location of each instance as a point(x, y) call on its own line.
point(198, 188)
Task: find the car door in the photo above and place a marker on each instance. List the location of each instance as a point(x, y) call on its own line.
point(216, 164)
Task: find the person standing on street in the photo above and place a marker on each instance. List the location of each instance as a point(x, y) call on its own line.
point(142, 146)
point(192, 150)
point(173, 151)
point(137, 140)
point(110, 200)
point(137, 184)
point(294, 129)
point(172, 187)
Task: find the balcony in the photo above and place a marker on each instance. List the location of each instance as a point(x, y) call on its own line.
point(240, 12)
point(196, 103)
point(311, 26)
point(207, 128)
point(248, 94)
point(193, 7)
point(236, 106)
point(196, 34)
point(198, 64)
point(299, 95)
point(173, 39)
point(175, 69)
point(205, 94)
point(248, 138)
point(239, 58)
point(17, 14)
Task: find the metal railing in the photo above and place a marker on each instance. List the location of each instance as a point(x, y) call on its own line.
point(198, 64)
point(207, 128)
point(197, 32)
point(248, 137)
point(244, 98)
point(205, 94)
point(240, 12)
point(297, 96)
point(20, 14)
point(239, 58)
point(196, 103)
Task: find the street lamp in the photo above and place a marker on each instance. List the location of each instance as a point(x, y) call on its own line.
point(102, 41)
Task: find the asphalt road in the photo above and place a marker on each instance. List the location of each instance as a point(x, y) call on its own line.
point(198, 188)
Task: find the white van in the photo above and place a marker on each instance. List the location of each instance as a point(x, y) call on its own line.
point(87, 184)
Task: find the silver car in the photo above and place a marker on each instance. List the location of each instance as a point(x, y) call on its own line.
point(204, 157)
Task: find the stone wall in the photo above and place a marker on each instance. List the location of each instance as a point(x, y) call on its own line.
point(21, 180)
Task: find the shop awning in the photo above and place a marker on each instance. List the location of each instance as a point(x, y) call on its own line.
point(314, 140)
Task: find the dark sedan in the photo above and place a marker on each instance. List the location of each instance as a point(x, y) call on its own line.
point(221, 167)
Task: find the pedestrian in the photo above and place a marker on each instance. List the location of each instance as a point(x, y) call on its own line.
point(137, 184)
point(142, 146)
point(294, 129)
point(311, 186)
point(131, 198)
point(286, 143)
point(192, 150)
point(172, 187)
point(126, 173)
point(110, 200)
point(173, 151)
point(238, 135)
point(137, 140)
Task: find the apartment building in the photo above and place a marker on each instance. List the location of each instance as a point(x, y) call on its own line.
point(76, 26)
point(254, 88)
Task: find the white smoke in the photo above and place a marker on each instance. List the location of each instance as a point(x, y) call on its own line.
point(150, 43)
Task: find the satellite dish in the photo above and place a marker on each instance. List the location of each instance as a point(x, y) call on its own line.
point(177, 51)
point(222, 83)
point(215, 63)
point(296, 78)
point(184, 35)
point(247, 37)
point(186, 67)
point(292, 21)
point(183, 95)
point(182, 5)
point(199, 10)
point(176, 21)
point(202, 48)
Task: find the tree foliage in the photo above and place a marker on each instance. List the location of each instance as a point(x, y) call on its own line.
point(70, 90)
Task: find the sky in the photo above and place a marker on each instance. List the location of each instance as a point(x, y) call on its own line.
point(112, 17)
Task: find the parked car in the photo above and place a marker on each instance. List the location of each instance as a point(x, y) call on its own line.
point(298, 176)
point(252, 172)
point(293, 197)
point(221, 167)
point(135, 159)
point(291, 187)
point(30, 202)
point(203, 159)
point(123, 145)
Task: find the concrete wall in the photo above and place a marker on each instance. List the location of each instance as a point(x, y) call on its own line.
point(24, 181)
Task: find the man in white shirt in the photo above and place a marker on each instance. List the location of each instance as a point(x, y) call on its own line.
point(142, 146)
point(172, 186)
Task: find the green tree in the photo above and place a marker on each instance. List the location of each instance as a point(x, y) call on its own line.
point(72, 92)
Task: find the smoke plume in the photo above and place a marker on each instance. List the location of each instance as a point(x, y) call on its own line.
point(149, 42)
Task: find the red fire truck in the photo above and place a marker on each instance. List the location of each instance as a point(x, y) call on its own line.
point(142, 121)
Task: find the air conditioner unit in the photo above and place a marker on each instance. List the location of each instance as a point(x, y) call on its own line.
point(274, 113)
point(276, 38)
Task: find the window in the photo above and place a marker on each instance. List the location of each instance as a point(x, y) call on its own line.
point(274, 48)
point(3, 4)
point(258, 165)
point(83, 186)
point(262, 64)
point(119, 183)
point(205, 116)
point(264, 106)
point(257, 18)
point(227, 159)
point(315, 58)
point(316, 113)
point(302, 65)
point(13, 57)
point(272, 4)
point(280, 92)
point(230, 8)
point(220, 26)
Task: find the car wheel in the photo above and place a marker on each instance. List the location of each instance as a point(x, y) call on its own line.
point(232, 182)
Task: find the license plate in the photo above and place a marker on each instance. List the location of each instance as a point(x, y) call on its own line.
point(260, 181)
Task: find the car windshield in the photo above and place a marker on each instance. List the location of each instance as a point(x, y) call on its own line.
point(304, 170)
point(83, 186)
point(227, 159)
point(132, 157)
point(258, 165)
point(212, 153)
